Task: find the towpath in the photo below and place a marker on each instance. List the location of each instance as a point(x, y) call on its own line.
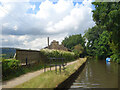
point(23, 78)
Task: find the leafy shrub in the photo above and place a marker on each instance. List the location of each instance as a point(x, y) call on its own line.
point(12, 69)
point(9, 66)
point(69, 56)
point(115, 58)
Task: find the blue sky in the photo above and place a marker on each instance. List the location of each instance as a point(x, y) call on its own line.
point(37, 4)
point(28, 24)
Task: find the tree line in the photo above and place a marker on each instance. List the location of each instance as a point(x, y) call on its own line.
point(102, 40)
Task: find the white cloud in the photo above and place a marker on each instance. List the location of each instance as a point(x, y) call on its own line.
point(24, 30)
point(29, 42)
point(15, 27)
point(33, 7)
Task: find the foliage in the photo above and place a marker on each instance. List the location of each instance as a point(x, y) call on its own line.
point(107, 16)
point(103, 39)
point(17, 71)
point(98, 42)
point(78, 50)
point(73, 40)
point(9, 66)
point(115, 58)
point(69, 56)
point(102, 45)
point(92, 35)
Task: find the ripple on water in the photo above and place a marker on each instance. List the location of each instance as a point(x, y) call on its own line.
point(98, 75)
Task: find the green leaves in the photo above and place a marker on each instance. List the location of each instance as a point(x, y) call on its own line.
point(73, 40)
point(69, 56)
point(9, 66)
point(103, 47)
point(78, 49)
point(100, 42)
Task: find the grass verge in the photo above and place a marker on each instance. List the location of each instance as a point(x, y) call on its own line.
point(50, 79)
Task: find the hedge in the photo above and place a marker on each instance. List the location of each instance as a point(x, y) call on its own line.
point(9, 66)
point(116, 58)
point(68, 56)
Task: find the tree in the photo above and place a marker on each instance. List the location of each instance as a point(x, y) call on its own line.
point(102, 48)
point(107, 15)
point(73, 40)
point(79, 50)
point(92, 35)
point(98, 42)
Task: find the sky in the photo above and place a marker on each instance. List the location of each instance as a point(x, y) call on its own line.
point(27, 24)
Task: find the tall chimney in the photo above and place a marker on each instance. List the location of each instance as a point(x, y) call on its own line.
point(48, 43)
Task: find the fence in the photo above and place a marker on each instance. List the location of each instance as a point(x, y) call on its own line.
point(55, 62)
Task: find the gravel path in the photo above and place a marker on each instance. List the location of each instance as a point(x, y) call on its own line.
point(23, 78)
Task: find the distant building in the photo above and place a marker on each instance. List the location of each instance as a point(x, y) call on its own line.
point(55, 45)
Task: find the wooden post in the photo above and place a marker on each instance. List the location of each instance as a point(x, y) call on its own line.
point(26, 61)
point(56, 68)
point(60, 68)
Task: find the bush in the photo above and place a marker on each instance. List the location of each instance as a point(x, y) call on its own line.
point(12, 69)
point(69, 56)
point(9, 66)
point(115, 58)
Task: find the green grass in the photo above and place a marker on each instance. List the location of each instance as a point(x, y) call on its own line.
point(0, 59)
point(50, 79)
point(23, 70)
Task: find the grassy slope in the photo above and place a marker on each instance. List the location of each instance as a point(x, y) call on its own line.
point(7, 52)
point(50, 79)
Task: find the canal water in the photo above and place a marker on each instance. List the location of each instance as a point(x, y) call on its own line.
point(98, 74)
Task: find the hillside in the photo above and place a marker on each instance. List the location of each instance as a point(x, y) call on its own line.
point(7, 52)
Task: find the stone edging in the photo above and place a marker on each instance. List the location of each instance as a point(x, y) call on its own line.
point(69, 81)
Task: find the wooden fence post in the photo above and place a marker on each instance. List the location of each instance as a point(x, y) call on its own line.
point(60, 68)
point(55, 68)
point(26, 61)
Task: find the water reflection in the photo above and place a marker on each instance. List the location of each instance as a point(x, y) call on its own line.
point(108, 63)
point(108, 67)
point(98, 74)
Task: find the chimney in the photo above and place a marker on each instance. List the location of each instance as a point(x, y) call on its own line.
point(48, 43)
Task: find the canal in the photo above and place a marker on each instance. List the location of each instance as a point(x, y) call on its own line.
point(98, 74)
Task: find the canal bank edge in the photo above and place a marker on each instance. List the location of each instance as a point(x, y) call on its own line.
point(51, 76)
point(69, 81)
